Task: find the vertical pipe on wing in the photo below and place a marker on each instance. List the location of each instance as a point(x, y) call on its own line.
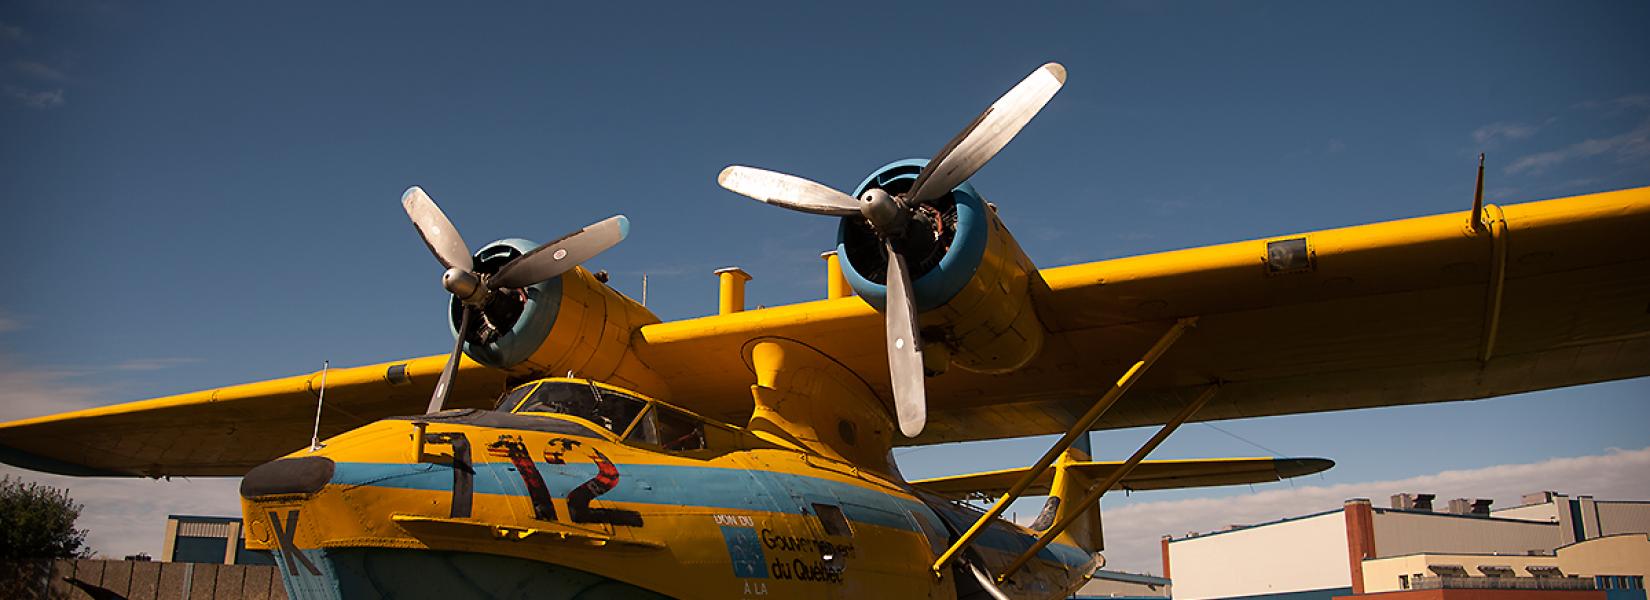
point(836, 284)
point(731, 298)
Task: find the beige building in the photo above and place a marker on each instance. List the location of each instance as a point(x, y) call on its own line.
point(1619, 561)
point(1360, 548)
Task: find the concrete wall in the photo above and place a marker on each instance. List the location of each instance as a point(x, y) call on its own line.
point(1623, 517)
point(1625, 554)
point(1546, 511)
point(1291, 556)
point(93, 578)
point(1398, 533)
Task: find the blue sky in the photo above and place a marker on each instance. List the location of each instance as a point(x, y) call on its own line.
point(207, 194)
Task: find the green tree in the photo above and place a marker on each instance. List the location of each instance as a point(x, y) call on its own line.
point(37, 521)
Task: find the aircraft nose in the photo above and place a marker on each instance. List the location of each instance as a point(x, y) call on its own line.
point(287, 476)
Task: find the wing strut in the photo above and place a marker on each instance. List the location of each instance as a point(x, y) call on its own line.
point(1081, 427)
point(1093, 496)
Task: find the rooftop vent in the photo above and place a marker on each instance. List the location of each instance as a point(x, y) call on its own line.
point(1417, 502)
point(1538, 497)
point(1477, 507)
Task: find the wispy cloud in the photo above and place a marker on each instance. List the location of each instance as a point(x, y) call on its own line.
point(1618, 105)
point(33, 391)
point(38, 70)
point(9, 323)
point(1631, 145)
point(1503, 130)
point(153, 364)
point(1133, 530)
point(44, 99)
point(12, 34)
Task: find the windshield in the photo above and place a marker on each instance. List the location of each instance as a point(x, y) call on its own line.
point(606, 408)
point(510, 400)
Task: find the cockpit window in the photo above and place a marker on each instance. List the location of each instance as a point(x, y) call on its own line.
point(669, 429)
point(678, 431)
point(510, 400)
point(587, 401)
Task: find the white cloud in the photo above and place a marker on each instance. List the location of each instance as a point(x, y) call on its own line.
point(1503, 130)
point(38, 70)
point(1133, 531)
point(33, 99)
point(1631, 145)
point(31, 392)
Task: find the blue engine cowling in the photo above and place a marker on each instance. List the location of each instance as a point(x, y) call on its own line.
point(520, 325)
point(971, 282)
point(933, 282)
point(570, 323)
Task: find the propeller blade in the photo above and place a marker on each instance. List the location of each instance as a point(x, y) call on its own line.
point(982, 139)
point(788, 191)
point(904, 347)
point(445, 383)
point(986, 583)
point(554, 258)
point(438, 232)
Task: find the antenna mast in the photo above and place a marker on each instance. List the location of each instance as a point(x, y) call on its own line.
point(315, 438)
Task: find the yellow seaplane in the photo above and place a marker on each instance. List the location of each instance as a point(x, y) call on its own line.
point(576, 446)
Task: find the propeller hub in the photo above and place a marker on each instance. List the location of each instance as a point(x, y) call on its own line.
point(885, 212)
point(464, 285)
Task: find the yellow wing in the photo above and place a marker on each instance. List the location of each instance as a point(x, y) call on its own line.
point(1149, 475)
point(1550, 294)
point(1431, 309)
point(229, 430)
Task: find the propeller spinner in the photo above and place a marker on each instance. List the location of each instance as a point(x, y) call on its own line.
point(893, 216)
point(473, 289)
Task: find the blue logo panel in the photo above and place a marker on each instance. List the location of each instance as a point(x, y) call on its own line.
point(745, 550)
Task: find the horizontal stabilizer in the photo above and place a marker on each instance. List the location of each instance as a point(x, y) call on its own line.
point(1149, 475)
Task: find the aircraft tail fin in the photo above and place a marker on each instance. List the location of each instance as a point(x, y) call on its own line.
point(1066, 492)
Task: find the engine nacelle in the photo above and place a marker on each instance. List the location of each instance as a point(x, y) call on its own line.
point(971, 284)
point(569, 323)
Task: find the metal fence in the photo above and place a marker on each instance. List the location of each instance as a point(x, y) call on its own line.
point(137, 580)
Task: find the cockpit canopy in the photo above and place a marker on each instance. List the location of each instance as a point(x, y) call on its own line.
point(630, 416)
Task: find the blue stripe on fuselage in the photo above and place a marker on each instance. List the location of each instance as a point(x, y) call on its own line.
point(684, 485)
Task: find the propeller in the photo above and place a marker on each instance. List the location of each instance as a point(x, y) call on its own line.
point(892, 217)
point(473, 289)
